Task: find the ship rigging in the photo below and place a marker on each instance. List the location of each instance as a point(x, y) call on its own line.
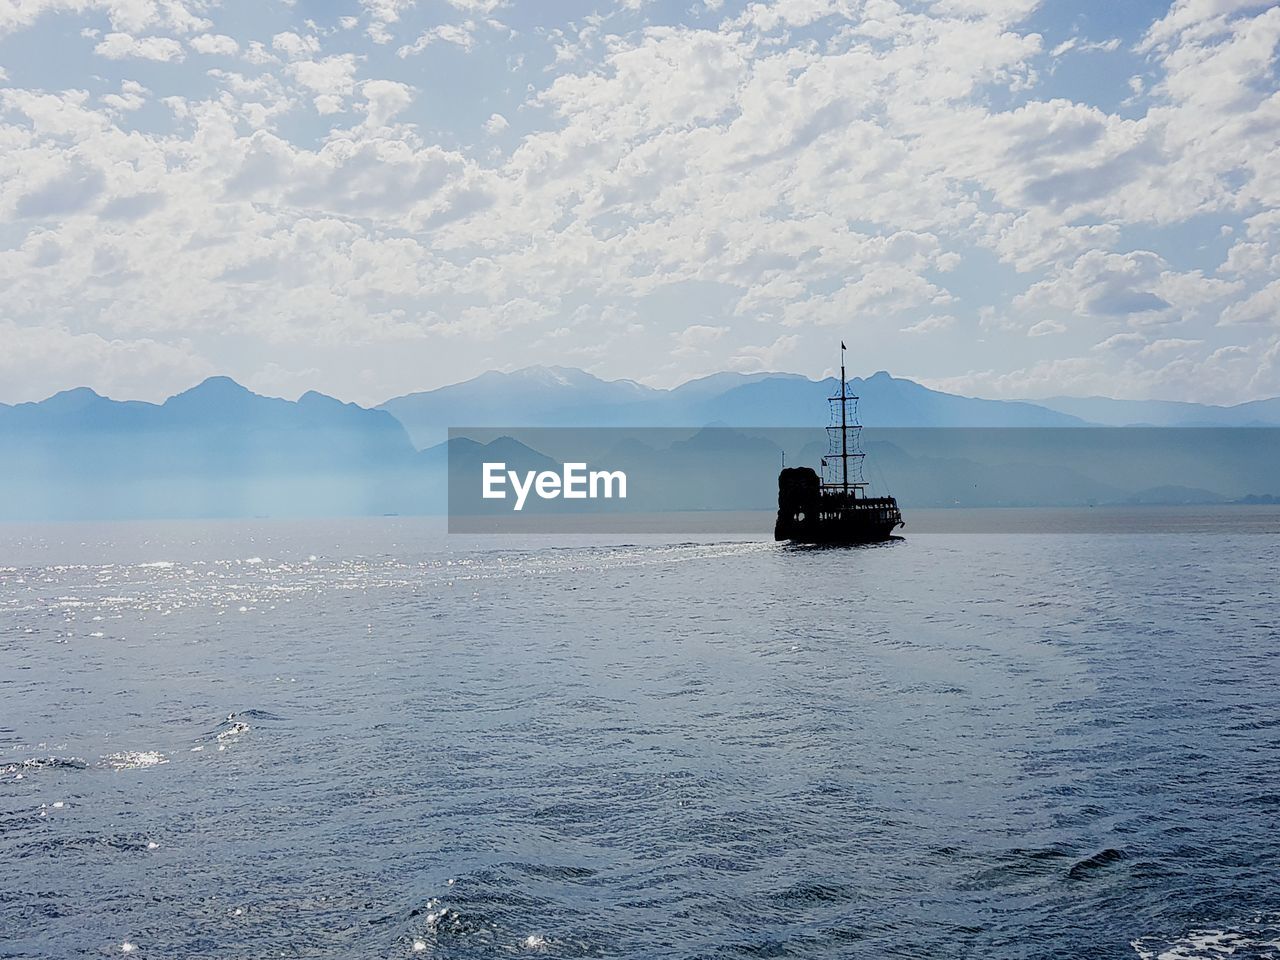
point(834, 508)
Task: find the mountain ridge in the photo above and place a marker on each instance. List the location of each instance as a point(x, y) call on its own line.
point(216, 449)
point(219, 449)
point(1089, 410)
point(1110, 412)
point(764, 399)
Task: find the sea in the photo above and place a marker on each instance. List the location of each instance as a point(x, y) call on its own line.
point(367, 738)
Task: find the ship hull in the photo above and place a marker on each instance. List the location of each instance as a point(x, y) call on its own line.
point(835, 533)
point(810, 513)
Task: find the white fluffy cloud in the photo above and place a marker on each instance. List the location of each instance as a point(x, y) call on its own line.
point(665, 198)
point(382, 14)
point(295, 47)
point(128, 16)
point(331, 79)
point(121, 46)
point(38, 361)
point(697, 338)
point(460, 35)
point(215, 44)
point(1137, 285)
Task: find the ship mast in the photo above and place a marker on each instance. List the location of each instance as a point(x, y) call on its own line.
point(842, 485)
point(844, 425)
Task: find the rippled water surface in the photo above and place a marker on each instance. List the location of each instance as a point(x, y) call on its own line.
point(366, 739)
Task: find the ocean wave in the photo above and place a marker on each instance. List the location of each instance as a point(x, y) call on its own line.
point(134, 760)
point(1256, 939)
point(235, 726)
point(1099, 861)
point(24, 768)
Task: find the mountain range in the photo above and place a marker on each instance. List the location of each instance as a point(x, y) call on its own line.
point(560, 396)
point(563, 396)
point(219, 449)
point(1103, 411)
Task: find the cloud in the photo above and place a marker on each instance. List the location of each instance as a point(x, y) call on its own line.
point(1076, 43)
point(384, 99)
point(1138, 286)
point(931, 324)
point(64, 186)
point(214, 44)
point(1194, 20)
point(696, 339)
point(382, 13)
point(133, 207)
point(462, 35)
point(1176, 346)
point(132, 96)
point(331, 79)
point(780, 171)
point(1046, 328)
point(1121, 343)
point(120, 46)
point(1260, 307)
point(377, 177)
point(295, 47)
point(1182, 371)
point(127, 16)
point(39, 361)
point(478, 7)
point(770, 357)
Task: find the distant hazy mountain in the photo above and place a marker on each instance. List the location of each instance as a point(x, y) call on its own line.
point(556, 396)
point(214, 450)
point(1166, 413)
point(536, 396)
point(220, 450)
point(885, 401)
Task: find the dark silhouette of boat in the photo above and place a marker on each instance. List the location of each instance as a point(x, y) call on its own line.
point(834, 508)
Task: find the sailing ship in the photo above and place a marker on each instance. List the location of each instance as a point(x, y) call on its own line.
point(835, 508)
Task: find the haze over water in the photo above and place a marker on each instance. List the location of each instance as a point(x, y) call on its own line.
point(365, 739)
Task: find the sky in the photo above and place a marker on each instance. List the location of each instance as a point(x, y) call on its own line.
point(1001, 198)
